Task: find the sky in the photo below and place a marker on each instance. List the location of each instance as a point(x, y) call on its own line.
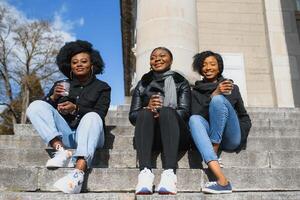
point(97, 21)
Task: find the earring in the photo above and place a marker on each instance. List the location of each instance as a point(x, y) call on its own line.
point(92, 71)
point(71, 74)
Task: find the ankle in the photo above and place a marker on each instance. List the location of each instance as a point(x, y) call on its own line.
point(81, 164)
point(223, 182)
point(58, 147)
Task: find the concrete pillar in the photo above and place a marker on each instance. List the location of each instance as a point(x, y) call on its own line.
point(279, 53)
point(168, 23)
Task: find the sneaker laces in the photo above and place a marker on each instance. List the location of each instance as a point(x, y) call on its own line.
point(144, 172)
point(169, 174)
point(61, 152)
point(77, 176)
point(211, 183)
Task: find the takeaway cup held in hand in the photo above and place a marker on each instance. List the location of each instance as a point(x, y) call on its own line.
point(230, 82)
point(66, 86)
point(161, 98)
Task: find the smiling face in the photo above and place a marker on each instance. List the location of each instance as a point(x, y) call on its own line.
point(160, 60)
point(81, 65)
point(210, 69)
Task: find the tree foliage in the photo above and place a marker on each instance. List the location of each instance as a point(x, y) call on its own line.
point(27, 63)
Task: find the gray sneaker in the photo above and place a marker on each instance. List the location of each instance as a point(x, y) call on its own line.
point(215, 188)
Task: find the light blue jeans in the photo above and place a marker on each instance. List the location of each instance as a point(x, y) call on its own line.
point(223, 127)
point(88, 136)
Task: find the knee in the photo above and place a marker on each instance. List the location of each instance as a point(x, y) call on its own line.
point(144, 113)
point(92, 117)
point(36, 106)
point(194, 119)
point(165, 112)
point(231, 145)
point(217, 100)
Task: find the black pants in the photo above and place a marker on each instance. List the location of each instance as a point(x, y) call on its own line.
point(167, 132)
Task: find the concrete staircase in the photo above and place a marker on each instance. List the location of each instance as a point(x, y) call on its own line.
point(268, 169)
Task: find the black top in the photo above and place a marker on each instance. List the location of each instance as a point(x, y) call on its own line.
point(143, 91)
point(201, 99)
point(91, 96)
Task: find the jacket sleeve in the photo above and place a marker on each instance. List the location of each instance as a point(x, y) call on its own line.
point(102, 105)
point(136, 104)
point(48, 99)
point(184, 101)
point(200, 104)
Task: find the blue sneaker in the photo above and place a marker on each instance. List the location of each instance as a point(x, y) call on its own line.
point(215, 188)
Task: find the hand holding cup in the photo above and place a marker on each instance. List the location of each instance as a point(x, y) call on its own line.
point(61, 89)
point(226, 86)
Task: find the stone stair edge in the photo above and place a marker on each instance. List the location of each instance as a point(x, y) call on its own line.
point(191, 180)
point(130, 196)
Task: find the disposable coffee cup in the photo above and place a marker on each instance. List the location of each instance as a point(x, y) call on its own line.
point(66, 85)
point(229, 92)
point(161, 98)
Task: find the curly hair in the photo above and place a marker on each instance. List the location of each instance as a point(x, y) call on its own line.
point(199, 60)
point(63, 59)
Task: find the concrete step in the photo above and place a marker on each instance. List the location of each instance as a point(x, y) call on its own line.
point(126, 142)
point(256, 131)
point(124, 121)
point(274, 132)
point(271, 109)
point(128, 159)
point(104, 158)
point(130, 196)
point(272, 114)
point(124, 180)
point(126, 107)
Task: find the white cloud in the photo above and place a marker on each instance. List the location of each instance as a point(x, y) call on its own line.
point(65, 25)
point(16, 13)
point(63, 28)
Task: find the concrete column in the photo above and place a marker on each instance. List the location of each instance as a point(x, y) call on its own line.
point(279, 54)
point(168, 23)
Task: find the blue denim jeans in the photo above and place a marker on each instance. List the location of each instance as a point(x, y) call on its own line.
point(88, 136)
point(223, 128)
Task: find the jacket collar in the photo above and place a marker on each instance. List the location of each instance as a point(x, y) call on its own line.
point(206, 87)
point(150, 76)
point(77, 83)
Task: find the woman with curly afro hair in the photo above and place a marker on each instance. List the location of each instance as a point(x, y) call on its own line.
point(74, 117)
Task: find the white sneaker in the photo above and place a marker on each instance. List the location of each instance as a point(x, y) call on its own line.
point(168, 182)
point(71, 183)
point(145, 182)
point(61, 158)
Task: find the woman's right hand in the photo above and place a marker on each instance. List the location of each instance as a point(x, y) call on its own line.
point(154, 103)
point(58, 91)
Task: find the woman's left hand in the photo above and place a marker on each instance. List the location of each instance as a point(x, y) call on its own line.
point(66, 107)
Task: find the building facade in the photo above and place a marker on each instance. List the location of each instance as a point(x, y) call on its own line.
point(258, 39)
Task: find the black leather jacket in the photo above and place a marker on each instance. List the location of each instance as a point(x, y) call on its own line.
point(91, 96)
point(142, 94)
